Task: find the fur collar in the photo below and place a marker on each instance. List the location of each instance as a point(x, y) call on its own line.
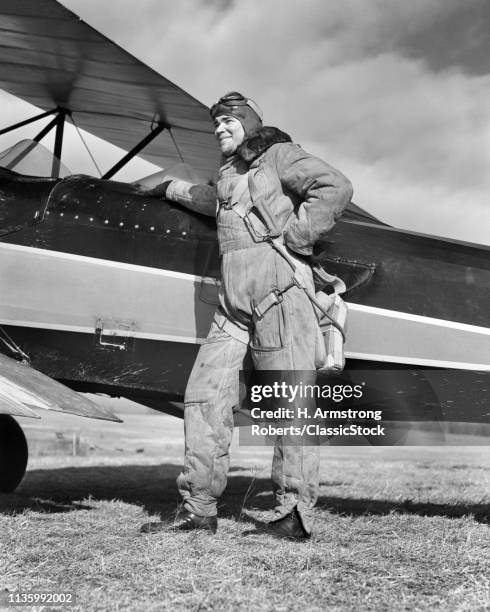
point(253, 147)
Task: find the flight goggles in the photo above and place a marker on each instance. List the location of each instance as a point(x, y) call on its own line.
point(234, 99)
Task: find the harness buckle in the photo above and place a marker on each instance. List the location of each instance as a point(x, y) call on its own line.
point(279, 295)
point(256, 236)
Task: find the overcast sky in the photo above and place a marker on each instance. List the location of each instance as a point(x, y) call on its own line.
point(394, 93)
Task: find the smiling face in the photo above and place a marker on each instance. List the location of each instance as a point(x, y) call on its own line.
point(229, 132)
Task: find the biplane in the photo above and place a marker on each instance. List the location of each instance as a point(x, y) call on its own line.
point(104, 289)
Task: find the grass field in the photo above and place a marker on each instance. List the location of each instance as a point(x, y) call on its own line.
point(402, 528)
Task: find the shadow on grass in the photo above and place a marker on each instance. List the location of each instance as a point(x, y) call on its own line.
point(153, 488)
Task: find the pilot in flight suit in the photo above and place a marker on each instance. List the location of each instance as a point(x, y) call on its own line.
point(303, 196)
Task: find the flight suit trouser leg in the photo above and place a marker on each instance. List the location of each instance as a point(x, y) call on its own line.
point(211, 394)
point(284, 340)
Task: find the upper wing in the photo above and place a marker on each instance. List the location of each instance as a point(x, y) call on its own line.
point(23, 388)
point(50, 57)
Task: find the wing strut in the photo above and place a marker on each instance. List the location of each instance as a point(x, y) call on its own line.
point(176, 146)
point(85, 145)
point(58, 122)
point(27, 121)
point(58, 141)
point(136, 149)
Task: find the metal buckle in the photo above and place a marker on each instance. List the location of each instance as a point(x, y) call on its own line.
point(256, 237)
point(279, 295)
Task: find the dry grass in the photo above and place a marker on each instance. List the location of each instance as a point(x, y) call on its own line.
point(397, 529)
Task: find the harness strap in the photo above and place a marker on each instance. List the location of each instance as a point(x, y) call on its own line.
point(282, 251)
point(239, 190)
point(231, 328)
point(274, 297)
point(271, 299)
point(242, 207)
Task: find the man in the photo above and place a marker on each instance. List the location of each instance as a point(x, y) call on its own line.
point(267, 186)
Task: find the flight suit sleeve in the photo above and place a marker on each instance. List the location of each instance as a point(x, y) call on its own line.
point(323, 190)
point(200, 198)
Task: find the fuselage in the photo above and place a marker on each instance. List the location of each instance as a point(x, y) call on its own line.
point(107, 289)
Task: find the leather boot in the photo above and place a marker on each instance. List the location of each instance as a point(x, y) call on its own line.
point(187, 521)
point(288, 526)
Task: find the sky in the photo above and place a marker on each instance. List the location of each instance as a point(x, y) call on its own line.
point(395, 94)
